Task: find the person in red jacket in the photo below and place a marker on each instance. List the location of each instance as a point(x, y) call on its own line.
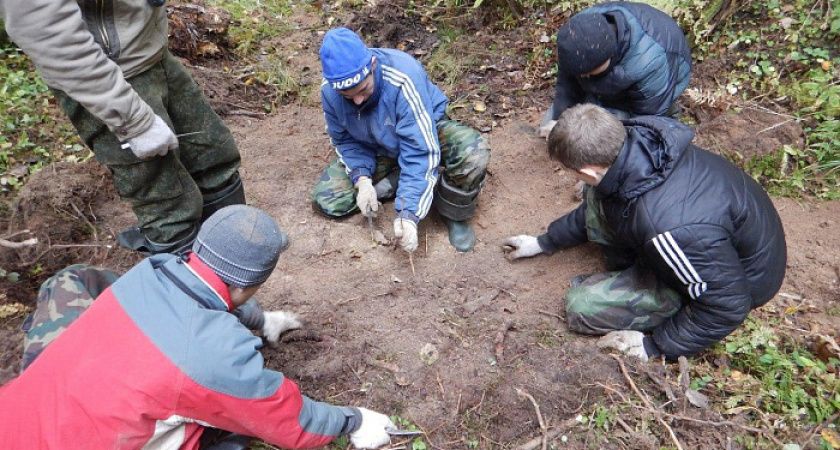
point(158, 360)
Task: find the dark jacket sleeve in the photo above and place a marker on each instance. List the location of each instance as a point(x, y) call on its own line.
point(565, 232)
point(715, 288)
point(251, 315)
point(567, 93)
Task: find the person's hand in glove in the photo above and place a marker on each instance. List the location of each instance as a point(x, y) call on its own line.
point(406, 231)
point(629, 342)
point(157, 140)
point(366, 197)
point(522, 246)
point(278, 322)
point(373, 432)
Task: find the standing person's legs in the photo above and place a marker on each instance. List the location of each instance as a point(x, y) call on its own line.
point(61, 300)
point(465, 154)
point(162, 193)
point(210, 155)
point(335, 196)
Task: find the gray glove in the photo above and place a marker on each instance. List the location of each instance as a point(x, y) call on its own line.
point(522, 246)
point(373, 432)
point(155, 141)
point(629, 342)
point(366, 197)
point(406, 231)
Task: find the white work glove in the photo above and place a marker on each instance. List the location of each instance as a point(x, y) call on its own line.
point(545, 129)
point(277, 323)
point(522, 246)
point(373, 432)
point(155, 141)
point(406, 231)
point(366, 197)
point(629, 342)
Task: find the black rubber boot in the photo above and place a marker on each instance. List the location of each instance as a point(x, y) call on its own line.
point(133, 239)
point(232, 194)
point(456, 207)
point(461, 234)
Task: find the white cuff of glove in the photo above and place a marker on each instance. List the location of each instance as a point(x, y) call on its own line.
point(157, 140)
point(277, 323)
point(406, 231)
point(545, 129)
point(522, 246)
point(373, 432)
point(629, 342)
point(366, 196)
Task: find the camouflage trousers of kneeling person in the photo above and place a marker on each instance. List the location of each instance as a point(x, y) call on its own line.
point(61, 300)
point(629, 299)
point(165, 192)
point(465, 154)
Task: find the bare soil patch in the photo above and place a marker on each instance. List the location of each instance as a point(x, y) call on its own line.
point(448, 344)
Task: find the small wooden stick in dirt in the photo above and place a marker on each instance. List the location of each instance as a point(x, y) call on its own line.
point(499, 346)
point(647, 402)
point(10, 244)
point(557, 431)
point(411, 262)
point(539, 416)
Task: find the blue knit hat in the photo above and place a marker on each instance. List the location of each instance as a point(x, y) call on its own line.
point(345, 59)
point(241, 244)
point(585, 42)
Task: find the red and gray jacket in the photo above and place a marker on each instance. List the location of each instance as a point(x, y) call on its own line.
point(154, 360)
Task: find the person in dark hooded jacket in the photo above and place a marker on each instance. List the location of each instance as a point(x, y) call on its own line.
point(628, 57)
point(693, 242)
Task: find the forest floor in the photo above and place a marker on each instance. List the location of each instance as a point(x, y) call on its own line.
point(449, 342)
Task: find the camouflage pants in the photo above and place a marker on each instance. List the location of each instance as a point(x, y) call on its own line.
point(465, 155)
point(165, 191)
point(61, 300)
point(628, 299)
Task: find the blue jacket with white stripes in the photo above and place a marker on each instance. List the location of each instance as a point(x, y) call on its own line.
point(650, 69)
point(704, 227)
point(398, 121)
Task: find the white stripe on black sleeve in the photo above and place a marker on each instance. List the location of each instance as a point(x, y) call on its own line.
point(673, 255)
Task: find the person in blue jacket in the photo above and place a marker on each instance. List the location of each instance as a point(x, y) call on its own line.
point(629, 58)
point(387, 122)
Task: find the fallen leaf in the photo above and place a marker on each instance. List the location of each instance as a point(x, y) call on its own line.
point(831, 437)
point(479, 107)
point(429, 354)
point(697, 399)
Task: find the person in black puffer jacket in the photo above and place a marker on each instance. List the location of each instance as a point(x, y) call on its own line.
point(628, 57)
point(694, 242)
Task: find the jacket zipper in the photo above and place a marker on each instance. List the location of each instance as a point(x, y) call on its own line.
point(100, 26)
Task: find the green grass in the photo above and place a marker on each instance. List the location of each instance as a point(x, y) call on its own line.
point(33, 132)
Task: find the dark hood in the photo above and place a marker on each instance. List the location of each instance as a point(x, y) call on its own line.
point(652, 147)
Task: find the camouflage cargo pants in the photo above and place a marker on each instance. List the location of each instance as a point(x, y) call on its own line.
point(165, 191)
point(465, 155)
point(628, 299)
point(61, 300)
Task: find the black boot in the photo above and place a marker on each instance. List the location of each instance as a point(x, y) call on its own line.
point(133, 239)
point(455, 207)
point(232, 194)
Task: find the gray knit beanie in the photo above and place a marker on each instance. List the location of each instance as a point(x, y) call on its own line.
point(585, 42)
point(241, 244)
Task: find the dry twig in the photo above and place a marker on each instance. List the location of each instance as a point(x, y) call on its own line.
point(499, 346)
point(539, 416)
point(647, 402)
